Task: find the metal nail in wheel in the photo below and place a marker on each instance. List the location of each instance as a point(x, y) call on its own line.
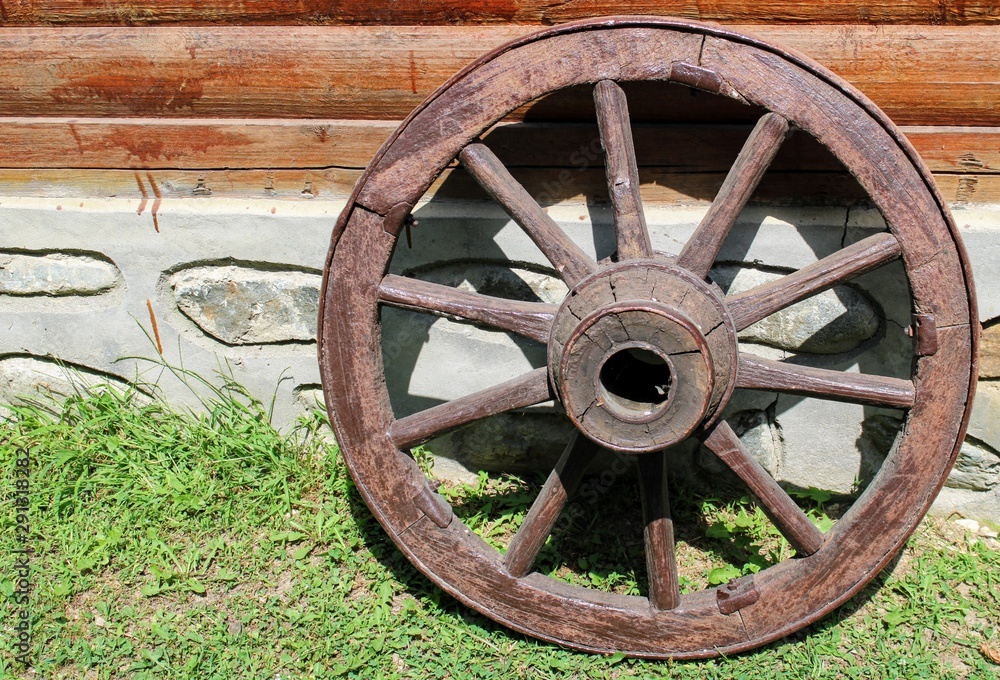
point(687, 329)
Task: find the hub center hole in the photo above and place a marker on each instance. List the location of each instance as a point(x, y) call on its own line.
point(636, 381)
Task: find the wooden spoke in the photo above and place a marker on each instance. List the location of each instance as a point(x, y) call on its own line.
point(700, 251)
point(622, 171)
point(526, 390)
point(757, 373)
point(544, 512)
point(661, 565)
point(567, 257)
point(753, 305)
point(804, 536)
point(645, 353)
point(530, 319)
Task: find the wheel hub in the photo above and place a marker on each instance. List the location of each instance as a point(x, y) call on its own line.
point(641, 354)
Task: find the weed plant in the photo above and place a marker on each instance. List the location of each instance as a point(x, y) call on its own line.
point(205, 544)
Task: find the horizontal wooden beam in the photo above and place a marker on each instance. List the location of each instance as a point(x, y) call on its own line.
point(589, 185)
point(333, 12)
point(183, 143)
point(919, 75)
point(205, 144)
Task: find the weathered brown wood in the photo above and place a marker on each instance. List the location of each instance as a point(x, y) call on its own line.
point(661, 563)
point(502, 83)
point(924, 452)
point(527, 390)
point(778, 505)
point(623, 174)
point(530, 319)
point(952, 149)
point(541, 518)
point(53, 148)
point(704, 624)
point(566, 257)
point(206, 143)
point(918, 75)
point(185, 143)
point(757, 373)
point(396, 477)
point(753, 305)
point(540, 12)
point(754, 159)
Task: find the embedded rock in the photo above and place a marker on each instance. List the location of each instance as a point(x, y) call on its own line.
point(309, 397)
point(835, 321)
point(878, 437)
point(977, 467)
point(55, 274)
point(246, 306)
point(760, 436)
point(498, 280)
point(515, 442)
point(984, 424)
point(27, 378)
point(989, 352)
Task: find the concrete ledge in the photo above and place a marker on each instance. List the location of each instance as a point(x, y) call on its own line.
point(231, 285)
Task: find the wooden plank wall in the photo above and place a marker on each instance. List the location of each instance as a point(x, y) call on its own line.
point(107, 97)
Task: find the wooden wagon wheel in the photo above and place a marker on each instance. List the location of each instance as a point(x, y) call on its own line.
point(646, 306)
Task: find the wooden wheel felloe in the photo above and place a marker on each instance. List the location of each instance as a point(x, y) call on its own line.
point(657, 318)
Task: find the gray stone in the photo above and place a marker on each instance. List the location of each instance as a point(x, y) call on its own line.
point(979, 225)
point(309, 397)
point(430, 359)
point(984, 424)
point(832, 322)
point(819, 443)
point(981, 505)
point(246, 306)
point(989, 351)
point(27, 378)
point(878, 437)
point(761, 438)
point(55, 274)
point(977, 468)
point(498, 279)
point(519, 442)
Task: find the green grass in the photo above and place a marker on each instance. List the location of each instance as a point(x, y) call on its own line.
point(173, 545)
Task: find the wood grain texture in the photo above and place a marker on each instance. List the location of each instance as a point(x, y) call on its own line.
point(395, 479)
point(541, 12)
point(541, 518)
point(926, 75)
point(757, 373)
point(658, 532)
point(572, 263)
point(752, 305)
point(754, 159)
point(623, 173)
point(530, 319)
point(778, 505)
point(206, 143)
point(527, 390)
point(184, 143)
point(790, 594)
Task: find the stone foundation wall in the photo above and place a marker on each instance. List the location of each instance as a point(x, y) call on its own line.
point(94, 290)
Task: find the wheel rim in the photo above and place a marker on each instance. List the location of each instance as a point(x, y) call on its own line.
point(795, 92)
